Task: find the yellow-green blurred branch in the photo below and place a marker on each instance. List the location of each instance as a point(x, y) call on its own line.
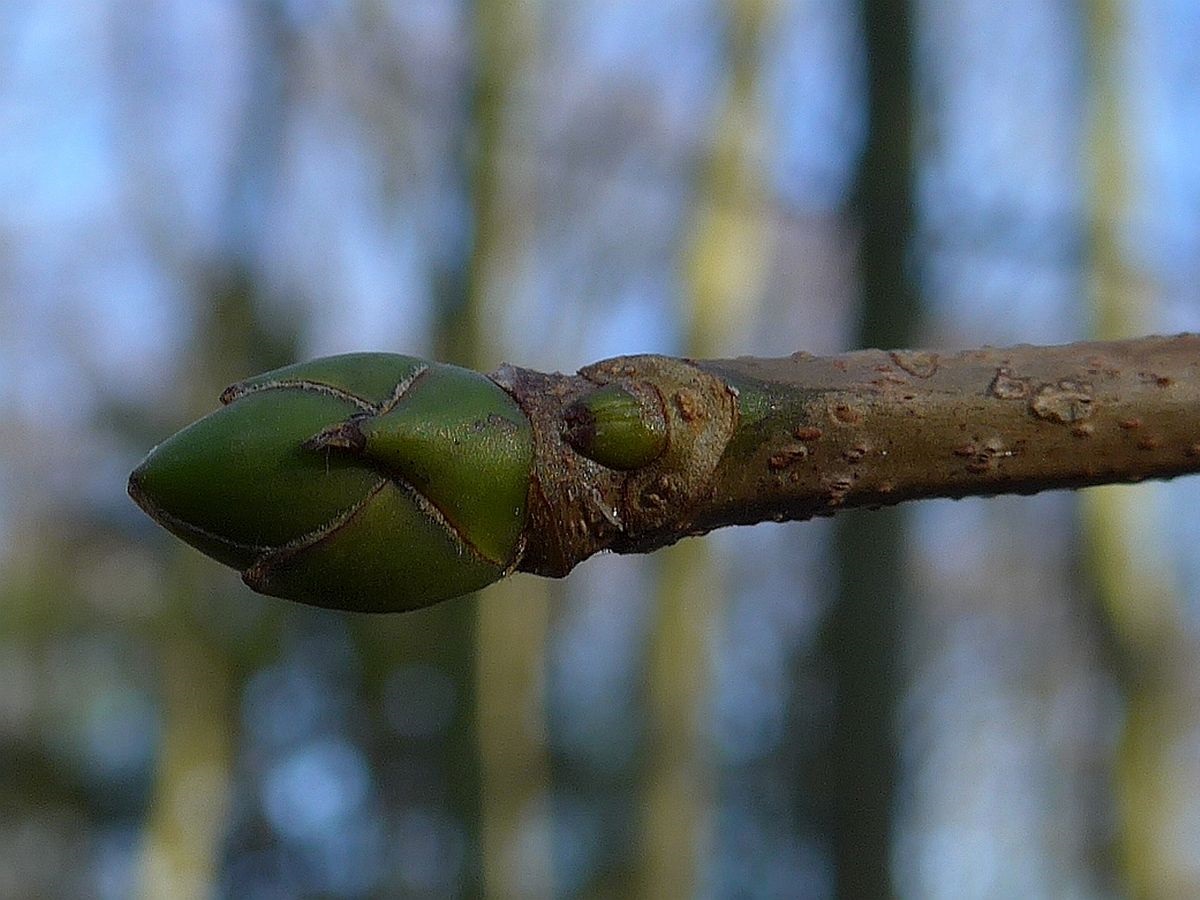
point(724, 266)
point(510, 636)
point(1158, 658)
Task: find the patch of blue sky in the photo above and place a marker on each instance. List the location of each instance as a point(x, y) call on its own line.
point(607, 270)
point(1178, 531)
point(595, 663)
point(996, 295)
point(317, 790)
point(756, 854)
point(133, 315)
point(283, 707)
point(180, 86)
point(114, 856)
point(747, 717)
point(314, 13)
point(1161, 69)
point(48, 384)
point(1002, 203)
point(579, 839)
point(636, 319)
point(1000, 101)
point(986, 741)
point(601, 299)
point(93, 310)
point(772, 612)
point(812, 95)
point(619, 35)
point(120, 737)
point(56, 161)
point(1165, 103)
point(380, 296)
point(671, 46)
point(333, 245)
point(440, 22)
point(1001, 180)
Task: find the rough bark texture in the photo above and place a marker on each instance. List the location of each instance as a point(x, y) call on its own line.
point(751, 439)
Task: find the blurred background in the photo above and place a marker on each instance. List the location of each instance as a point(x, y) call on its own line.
point(972, 699)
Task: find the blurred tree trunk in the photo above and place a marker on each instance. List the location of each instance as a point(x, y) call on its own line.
point(187, 819)
point(201, 675)
point(188, 812)
point(1129, 570)
point(864, 625)
point(512, 615)
point(724, 266)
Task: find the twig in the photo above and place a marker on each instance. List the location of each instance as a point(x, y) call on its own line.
point(754, 440)
point(379, 482)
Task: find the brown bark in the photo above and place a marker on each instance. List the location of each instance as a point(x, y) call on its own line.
point(752, 440)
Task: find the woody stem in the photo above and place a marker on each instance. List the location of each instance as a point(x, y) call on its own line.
point(776, 439)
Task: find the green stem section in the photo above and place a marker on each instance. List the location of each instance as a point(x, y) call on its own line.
point(753, 440)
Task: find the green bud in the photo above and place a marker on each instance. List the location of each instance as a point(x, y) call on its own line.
point(370, 481)
point(617, 429)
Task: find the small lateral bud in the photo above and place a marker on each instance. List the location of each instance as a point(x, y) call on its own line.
point(617, 429)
